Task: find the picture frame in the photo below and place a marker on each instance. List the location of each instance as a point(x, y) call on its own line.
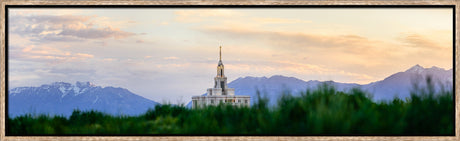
point(160, 3)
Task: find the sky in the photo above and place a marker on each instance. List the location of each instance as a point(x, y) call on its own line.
point(171, 54)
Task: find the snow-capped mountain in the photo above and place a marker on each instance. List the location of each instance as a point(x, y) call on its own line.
point(397, 85)
point(62, 98)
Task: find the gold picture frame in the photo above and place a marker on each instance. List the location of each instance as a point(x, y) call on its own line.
point(224, 2)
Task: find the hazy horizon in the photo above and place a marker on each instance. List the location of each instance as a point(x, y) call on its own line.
point(238, 77)
point(151, 51)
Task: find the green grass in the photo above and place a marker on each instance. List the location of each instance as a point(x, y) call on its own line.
point(321, 112)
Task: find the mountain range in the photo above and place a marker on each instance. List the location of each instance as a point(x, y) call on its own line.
point(61, 98)
point(397, 85)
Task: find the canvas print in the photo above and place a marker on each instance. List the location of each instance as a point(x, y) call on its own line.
point(230, 71)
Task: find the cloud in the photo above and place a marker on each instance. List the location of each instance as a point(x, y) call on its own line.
point(108, 59)
point(46, 54)
point(162, 23)
point(173, 65)
point(83, 55)
point(302, 67)
point(102, 43)
point(72, 71)
point(420, 41)
point(207, 13)
point(292, 40)
point(46, 28)
point(50, 19)
point(279, 21)
point(190, 16)
point(170, 58)
point(95, 33)
point(362, 57)
point(54, 38)
point(342, 49)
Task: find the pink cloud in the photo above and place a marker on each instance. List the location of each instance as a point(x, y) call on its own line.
point(47, 54)
point(95, 33)
point(64, 28)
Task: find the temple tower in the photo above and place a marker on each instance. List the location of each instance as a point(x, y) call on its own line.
point(220, 93)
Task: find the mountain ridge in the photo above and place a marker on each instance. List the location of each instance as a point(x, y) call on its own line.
point(61, 98)
point(398, 84)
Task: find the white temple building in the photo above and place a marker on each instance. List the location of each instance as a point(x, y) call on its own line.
point(220, 94)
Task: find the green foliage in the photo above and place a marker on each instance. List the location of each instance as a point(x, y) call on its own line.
point(321, 112)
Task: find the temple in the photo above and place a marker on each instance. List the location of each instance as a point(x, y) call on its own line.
point(220, 93)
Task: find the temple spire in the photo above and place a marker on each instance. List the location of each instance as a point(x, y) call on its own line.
point(220, 53)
